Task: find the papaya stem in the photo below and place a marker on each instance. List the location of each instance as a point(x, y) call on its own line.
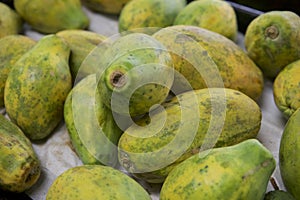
point(274, 183)
point(272, 32)
point(117, 79)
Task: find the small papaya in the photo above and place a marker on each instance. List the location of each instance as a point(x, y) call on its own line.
point(11, 21)
point(113, 7)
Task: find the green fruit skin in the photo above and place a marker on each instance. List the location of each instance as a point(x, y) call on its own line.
point(81, 43)
point(11, 22)
point(92, 129)
point(19, 164)
point(237, 172)
point(105, 6)
point(95, 182)
point(139, 14)
point(289, 161)
point(138, 73)
point(37, 87)
point(215, 15)
point(271, 51)
point(278, 195)
point(12, 47)
point(202, 56)
point(152, 152)
point(286, 89)
point(52, 16)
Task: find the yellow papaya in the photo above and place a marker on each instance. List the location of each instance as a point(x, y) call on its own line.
point(11, 21)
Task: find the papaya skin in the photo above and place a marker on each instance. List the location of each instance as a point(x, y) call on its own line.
point(113, 7)
point(272, 41)
point(139, 14)
point(215, 15)
point(278, 195)
point(19, 165)
point(12, 47)
point(241, 171)
point(10, 21)
point(95, 182)
point(151, 152)
point(214, 51)
point(49, 17)
point(289, 161)
point(37, 87)
point(286, 89)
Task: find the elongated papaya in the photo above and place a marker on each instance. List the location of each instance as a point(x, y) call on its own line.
point(95, 182)
point(241, 171)
point(19, 164)
point(191, 121)
point(91, 126)
point(37, 87)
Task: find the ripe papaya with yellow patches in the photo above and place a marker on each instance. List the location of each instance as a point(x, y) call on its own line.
point(11, 22)
point(105, 6)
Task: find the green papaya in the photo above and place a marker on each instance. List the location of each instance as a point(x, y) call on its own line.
point(105, 6)
point(272, 41)
point(278, 195)
point(81, 43)
point(207, 59)
point(52, 16)
point(37, 86)
point(289, 160)
point(12, 47)
point(137, 74)
point(91, 127)
point(286, 89)
point(241, 171)
point(215, 15)
point(19, 165)
point(95, 182)
point(10, 21)
point(191, 121)
point(147, 16)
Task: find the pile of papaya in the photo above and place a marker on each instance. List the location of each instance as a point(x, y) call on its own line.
point(171, 100)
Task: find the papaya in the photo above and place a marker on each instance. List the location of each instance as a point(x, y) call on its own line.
point(12, 47)
point(11, 21)
point(37, 86)
point(278, 195)
point(81, 43)
point(95, 182)
point(91, 127)
point(147, 16)
point(289, 161)
point(113, 7)
point(19, 165)
point(52, 16)
point(241, 171)
point(286, 89)
point(204, 58)
point(272, 41)
point(215, 15)
point(190, 122)
point(136, 76)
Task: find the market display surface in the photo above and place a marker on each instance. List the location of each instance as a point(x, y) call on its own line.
point(148, 99)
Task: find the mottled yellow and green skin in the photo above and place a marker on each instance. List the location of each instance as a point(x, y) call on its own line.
point(286, 89)
point(81, 43)
point(139, 14)
point(37, 87)
point(272, 41)
point(12, 47)
point(95, 182)
point(19, 164)
point(222, 119)
point(137, 74)
point(215, 15)
point(52, 16)
point(237, 172)
point(202, 56)
point(289, 160)
point(278, 195)
point(10, 21)
point(92, 129)
point(105, 6)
